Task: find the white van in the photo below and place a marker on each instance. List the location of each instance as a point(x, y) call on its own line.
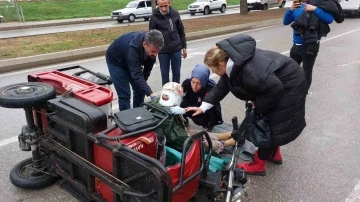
point(350, 6)
point(264, 4)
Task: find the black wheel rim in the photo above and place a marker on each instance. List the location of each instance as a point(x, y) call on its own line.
point(28, 172)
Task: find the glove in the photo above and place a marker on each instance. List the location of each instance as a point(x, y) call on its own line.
point(153, 98)
point(177, 110)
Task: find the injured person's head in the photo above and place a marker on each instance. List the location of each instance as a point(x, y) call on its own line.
point(171, 94)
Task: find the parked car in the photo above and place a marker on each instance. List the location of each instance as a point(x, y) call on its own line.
point(207, 6)
point(350, 6)
point(264, 4)
point(133, 10)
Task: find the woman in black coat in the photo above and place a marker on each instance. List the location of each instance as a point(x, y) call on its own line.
point(273, 82)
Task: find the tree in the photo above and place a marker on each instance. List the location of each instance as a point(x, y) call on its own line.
point(243, 7)
point(153, 4)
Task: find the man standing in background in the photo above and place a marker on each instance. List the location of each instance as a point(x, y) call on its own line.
point(167, 21)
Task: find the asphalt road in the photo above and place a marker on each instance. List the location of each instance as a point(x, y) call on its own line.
point(322, 165)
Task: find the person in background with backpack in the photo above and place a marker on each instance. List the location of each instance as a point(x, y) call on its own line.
point(274, 83)
point(310, 21)
point(195, 89)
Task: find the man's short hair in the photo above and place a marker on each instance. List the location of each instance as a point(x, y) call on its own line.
point(155, 38)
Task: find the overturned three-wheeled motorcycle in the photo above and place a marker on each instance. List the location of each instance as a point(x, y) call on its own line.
point(96, 155)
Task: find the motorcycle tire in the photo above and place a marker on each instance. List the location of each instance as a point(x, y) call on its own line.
point(26, 95)
point(23, 175)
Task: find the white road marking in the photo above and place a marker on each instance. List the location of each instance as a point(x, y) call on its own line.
point(14, 139)
point(347, 64)
point(355, 194)
point(8, 141)
point(195, 54)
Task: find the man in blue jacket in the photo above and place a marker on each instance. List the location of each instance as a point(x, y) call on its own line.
point(303, 51)
point(167, 20)
point(130, 59)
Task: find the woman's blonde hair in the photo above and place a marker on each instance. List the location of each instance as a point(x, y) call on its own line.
point(214, 56)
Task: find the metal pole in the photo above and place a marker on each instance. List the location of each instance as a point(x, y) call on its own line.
point(22, 14)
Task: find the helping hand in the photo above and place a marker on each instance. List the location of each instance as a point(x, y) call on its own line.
point(177, 110)
point(153, 98)
point(197, 110)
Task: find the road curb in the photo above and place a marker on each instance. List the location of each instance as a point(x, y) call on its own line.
point(66, 56)
point(72, 21)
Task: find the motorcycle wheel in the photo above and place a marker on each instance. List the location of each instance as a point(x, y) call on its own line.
point(26, 95)
point(25, 176)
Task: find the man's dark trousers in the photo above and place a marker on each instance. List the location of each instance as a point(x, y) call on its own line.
point(121, 79)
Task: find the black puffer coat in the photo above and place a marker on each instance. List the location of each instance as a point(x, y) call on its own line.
point(279, 95)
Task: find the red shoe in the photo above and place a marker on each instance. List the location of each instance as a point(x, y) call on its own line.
point(255, 167)
point(276, 157)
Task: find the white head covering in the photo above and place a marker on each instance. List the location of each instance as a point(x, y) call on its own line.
point(171, 94)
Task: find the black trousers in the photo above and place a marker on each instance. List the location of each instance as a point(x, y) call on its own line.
point(301, 54)
point(265, 153)
point(208, 119)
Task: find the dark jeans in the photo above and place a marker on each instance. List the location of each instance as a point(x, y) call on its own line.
point(300, 55)
point(165, 60)
point(121, 79)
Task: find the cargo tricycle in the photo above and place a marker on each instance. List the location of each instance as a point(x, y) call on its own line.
point(97, 155)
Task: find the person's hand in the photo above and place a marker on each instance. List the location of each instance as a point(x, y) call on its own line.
point(177, 110)
point(152, 96)
point(295, 5)
point(309, 7)
point(184, 54)
point(253, 106)
point(196, 110)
